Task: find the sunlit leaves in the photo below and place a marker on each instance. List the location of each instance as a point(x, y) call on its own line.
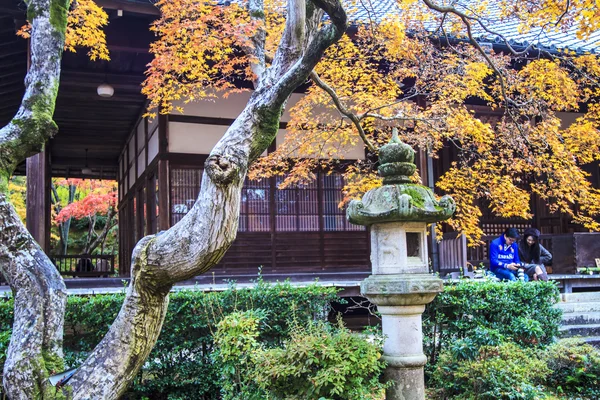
point(94, 197)
point(400, 72)
point(85, 24)
point(201, 50)
point(557, 15)
point(546, 80)
point(85, 28)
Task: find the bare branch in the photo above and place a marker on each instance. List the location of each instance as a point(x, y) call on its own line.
point(343, 110)
point(257, 15)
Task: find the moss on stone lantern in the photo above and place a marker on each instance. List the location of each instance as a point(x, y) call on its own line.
point(398, 199)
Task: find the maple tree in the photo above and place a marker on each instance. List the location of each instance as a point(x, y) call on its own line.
point(89, 200)
point(416, 71)
point(85, 23)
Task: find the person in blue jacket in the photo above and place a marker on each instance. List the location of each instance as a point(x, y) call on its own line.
point(504, 255)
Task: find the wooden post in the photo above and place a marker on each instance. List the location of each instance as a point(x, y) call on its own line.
point(38, 198)
point(164, 184)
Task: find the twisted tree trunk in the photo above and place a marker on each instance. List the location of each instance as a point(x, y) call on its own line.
point(203, 236)
point(35, 349)
point(189, 248)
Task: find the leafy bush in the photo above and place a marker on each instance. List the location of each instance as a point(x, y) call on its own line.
point(567, 369)
point(180, 365)
point(318, 361)
point(575, 368)
point(507, 371)
point(523, 313)
point(236, 347)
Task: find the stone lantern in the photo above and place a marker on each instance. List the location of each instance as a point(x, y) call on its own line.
point(401, 285)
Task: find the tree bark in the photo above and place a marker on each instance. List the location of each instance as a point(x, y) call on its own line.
point(35, 348)
point(202, 237)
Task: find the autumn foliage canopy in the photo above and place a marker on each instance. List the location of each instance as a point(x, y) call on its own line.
point(418, 70)
point(96, 198)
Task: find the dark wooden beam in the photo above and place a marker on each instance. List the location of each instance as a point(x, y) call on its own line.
point(100, 76)
point(38, 198)
point(95, 120)
point(14, 75)
point(81, 162)
point(12, 52)
point(74, 173)
point(185, 159)
point(128, 49)
point(12, 88)
point(13, 7)
point(97, 148)
point(191, 119)
point(164, 179)
point(129, 7)
point(164, 209)
point(11, 102)
point(13, 61)
point(127, 87)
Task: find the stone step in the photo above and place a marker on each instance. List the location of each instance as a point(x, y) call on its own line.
point(581, 318)
point(593, 340)
point(586, 330)
point(580, 297)
point(579, 307)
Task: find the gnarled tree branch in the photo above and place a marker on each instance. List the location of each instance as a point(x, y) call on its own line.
point(203, 236)
point(35, 349)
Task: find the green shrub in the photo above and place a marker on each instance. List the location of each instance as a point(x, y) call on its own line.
point(180, 365)
point(236, 347)
point(318, 361)
point(523, 313)
point(507, 371)
point(575, 368)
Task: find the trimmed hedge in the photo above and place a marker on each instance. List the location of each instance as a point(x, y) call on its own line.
point(180, 365)
point(521, 312)
point(466, 316)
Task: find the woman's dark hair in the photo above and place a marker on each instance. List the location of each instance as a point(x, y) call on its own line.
point(530, 254)
point(511, 233)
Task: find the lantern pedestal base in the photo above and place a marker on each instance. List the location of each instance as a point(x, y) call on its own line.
point(401, 300)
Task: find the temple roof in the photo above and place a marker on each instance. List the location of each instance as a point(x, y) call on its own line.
point(549, 40)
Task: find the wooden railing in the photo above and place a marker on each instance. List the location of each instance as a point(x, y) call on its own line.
point(85, 265)
point(452, 252)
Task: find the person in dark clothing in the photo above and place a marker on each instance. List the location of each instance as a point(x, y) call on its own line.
point(504, 256)
point(534, 255)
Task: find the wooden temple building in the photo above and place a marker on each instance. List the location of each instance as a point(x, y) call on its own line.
point(295, 232)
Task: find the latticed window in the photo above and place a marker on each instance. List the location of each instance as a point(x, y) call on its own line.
point(255, 213)
point(294, 209)
point(185, 186)
point(297, 208)
point(334, 217)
